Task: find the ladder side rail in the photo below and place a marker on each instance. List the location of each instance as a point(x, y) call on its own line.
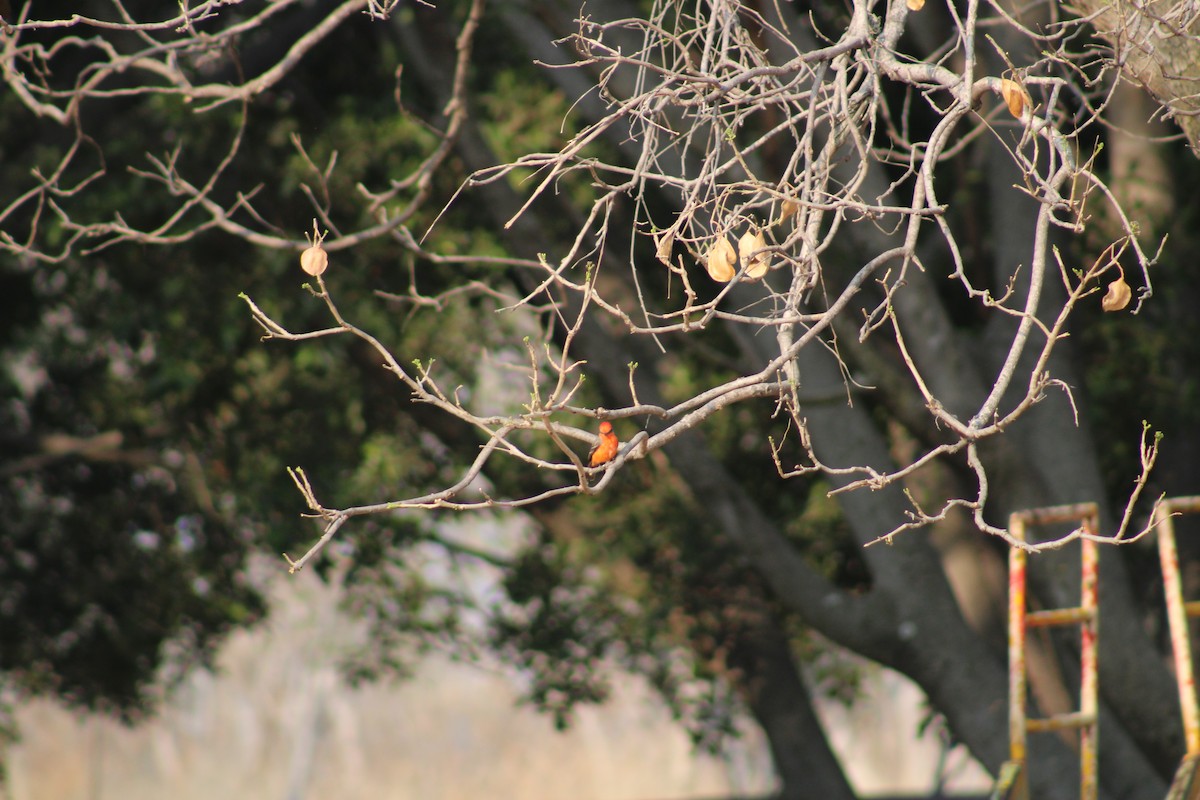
point(1177, 618)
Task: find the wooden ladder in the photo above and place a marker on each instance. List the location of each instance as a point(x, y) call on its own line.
point(1012, 782)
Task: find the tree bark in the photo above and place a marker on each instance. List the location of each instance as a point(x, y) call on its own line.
point(1157, 44)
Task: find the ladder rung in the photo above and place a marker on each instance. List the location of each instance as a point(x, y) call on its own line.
point(1185, 504)
point(1059, 616)
point(1060, 722)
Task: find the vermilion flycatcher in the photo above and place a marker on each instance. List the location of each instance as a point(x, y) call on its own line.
point(607, 448)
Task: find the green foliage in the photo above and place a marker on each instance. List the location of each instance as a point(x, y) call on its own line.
point(558, 630)
point(404, 610)
point(103, 569)
point(115, 550)
point(119, 563)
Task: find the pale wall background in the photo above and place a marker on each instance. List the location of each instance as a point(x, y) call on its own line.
point(277, 723)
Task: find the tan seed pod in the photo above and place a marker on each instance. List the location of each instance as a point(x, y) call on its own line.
point(664, 243)
point(1015, 96)
point(751, 243)
point(721, 260)
point(314, 260)
point(788, 209)
point(1118, 295)
point(916, 5)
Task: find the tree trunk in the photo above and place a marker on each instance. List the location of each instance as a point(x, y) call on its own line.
point(1155, 44)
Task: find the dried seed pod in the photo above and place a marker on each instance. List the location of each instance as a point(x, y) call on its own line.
point(1118, 295)
point(916, 5)
point(663, 246)
point(1015, 96)
point(787, 209)
point(314, 260)
point(750, 244)
point(721, 260)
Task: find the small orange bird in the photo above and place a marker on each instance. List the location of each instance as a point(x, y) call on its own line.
point(606, 450)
